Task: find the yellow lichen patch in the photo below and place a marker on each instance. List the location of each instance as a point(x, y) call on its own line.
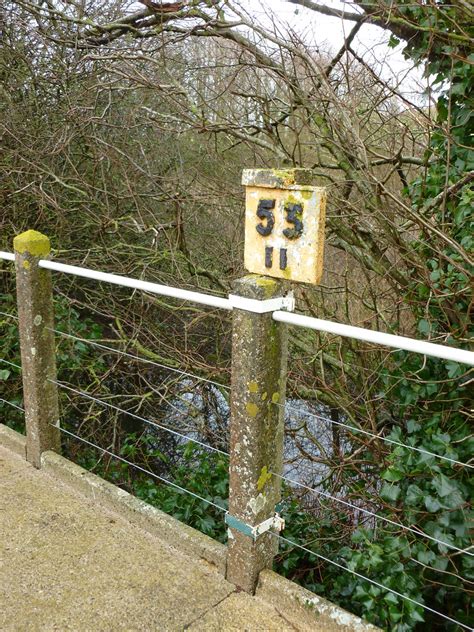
point(32, 242)
point(253, 387)
point(26, 264)
point(263, 479)
point(287, 176)
point(276, 398)
point(274, 178)
point(264, 282)
point(252, 409)
point(268, 285)
point(264, 396)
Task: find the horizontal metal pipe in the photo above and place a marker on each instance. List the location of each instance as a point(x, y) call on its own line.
point(377, 337)
point(137, 284)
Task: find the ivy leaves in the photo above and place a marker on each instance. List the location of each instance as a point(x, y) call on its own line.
point(430, 397)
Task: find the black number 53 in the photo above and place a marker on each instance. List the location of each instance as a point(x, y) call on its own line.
point(294, 213)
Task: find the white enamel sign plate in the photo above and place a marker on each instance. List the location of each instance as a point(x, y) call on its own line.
point(284, 232)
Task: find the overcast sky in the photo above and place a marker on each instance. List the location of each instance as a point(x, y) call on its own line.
point(328, 35)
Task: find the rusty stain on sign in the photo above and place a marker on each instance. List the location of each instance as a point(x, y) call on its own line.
point(284, 224)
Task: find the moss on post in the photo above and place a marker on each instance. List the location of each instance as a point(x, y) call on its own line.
point(36, 321)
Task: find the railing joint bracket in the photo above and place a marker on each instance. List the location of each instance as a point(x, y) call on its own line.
point(276, 522)
point(279, 303)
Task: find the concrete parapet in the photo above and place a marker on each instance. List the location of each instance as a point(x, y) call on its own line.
point(13, 440)
point(306, 610)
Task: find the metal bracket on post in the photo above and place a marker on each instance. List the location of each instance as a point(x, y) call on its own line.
point(275, 522)
point(263, 307)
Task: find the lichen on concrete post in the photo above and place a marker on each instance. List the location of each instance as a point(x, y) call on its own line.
point(259, 358)
point(38, 360)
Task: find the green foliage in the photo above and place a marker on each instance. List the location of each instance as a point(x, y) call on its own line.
point(196, 470)
point(76, 361)
point(318, 534)
point(443, 31)
point(10, 377)
point(430, 397)
point(384, 559)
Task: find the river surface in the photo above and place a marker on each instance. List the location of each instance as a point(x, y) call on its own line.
point(203, 414)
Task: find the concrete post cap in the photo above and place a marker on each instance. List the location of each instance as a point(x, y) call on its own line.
point(278, 178)
point(33, 243)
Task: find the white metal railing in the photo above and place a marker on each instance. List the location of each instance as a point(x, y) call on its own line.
point(377, 337)
point(299, 320)
point(137, 284)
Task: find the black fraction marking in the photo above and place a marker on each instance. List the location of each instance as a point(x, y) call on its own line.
point(268, 256)
point(264, 212)
point(283, 259)
point(294, 213)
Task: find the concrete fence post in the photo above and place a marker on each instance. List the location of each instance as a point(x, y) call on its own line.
point(259, 358)
point(36, 320)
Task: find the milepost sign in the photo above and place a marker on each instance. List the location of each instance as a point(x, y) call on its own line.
point(284, 224)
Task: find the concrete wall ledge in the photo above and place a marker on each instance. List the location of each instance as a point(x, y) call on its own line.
point(307, 610)
point(13, 441)
point(111, 497)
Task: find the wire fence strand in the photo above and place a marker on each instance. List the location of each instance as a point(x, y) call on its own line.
point(379, 437)
point(5, 401)
point(9, 315)
point(139, 358)
point(16, 366)
point(373, 514)
point(130, 414)
point(142, 469)
point(371, 581)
